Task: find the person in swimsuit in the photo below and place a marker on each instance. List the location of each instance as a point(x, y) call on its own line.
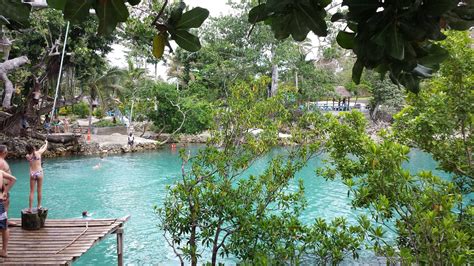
point(6, 168)
point(36, 172)
point(3, 214)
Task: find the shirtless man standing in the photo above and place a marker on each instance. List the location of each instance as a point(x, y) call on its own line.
point(6, 168)
point(7, 181)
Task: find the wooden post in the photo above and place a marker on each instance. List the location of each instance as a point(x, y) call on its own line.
point(33, 220)
point(119, 233)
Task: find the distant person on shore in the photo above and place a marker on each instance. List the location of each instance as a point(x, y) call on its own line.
point(3, 213)
point(66, 125)
point(47, 123)
point(24, 123)
point(131, 140)
point(56, 124)
point(4, 166)
point(36, 172)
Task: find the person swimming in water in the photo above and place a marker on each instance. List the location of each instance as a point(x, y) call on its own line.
point(36, 172)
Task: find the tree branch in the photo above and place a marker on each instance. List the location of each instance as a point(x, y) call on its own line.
point(183, 114)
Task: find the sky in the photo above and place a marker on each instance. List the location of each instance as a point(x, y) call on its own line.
point(215, 7)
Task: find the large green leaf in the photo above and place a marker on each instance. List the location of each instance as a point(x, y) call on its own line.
point(159, 42)
point(337, 16)
point(278, 5)
point(422, 71)
point(281, 26)
point(362, 4)
point(410, 82)
point(4, 21)
point(323, 3)
point(345, 39)
point(16, 12)
point(395, 43)
point(57, 4)
point(110, 13)
point(77, 10)
point(192, 18)
point(435, 55)
point(298, 29)
point(257, 14)
point(461, 17)
point(134, 2)
point(438, 7)
point(186, 40)
point(176, 14)
point(357, 71)
point(313, 18)
point(361, 9)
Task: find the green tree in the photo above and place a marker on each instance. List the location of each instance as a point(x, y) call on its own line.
point(174, 111)
point(104, 88)
point(440, 119)
point(231, 51)
point(42, 45)
point(419, 208)
point(398, 40)
point(215, 207)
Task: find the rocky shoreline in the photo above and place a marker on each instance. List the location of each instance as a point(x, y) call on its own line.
point(117, 143)
point(16, 147)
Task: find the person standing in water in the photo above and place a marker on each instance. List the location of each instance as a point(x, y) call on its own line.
point(36, 172)
point(3, 214)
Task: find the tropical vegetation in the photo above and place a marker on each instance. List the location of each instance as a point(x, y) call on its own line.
point(242, 78)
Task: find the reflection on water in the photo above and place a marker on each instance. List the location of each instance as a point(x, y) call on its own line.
point(132, 184)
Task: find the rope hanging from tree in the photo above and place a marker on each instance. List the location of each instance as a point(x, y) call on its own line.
point(60, 72)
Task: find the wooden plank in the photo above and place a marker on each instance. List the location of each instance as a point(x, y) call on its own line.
point(35, 256)
point(58, 260)
point(58, 236)
point(18, 220)
point(49, 258)
point(64, 229)
point(57, 230)
point(59, 242)
point(16, 253)
point(34, 263)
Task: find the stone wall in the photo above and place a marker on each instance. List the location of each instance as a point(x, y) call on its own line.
point(109, 130)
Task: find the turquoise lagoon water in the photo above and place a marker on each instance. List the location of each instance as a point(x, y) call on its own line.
point(132, 184)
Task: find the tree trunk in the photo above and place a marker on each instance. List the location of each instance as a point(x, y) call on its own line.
point(374, 112)
point(5, 68)
point(274, 87)
point(296, 81)
point(90, 114)
point(215, 245)
point(193, 245)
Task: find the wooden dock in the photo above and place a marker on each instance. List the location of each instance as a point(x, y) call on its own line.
point(60, 242)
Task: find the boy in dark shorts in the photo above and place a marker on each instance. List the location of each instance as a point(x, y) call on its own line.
point(3, 214)
point(5, 167)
